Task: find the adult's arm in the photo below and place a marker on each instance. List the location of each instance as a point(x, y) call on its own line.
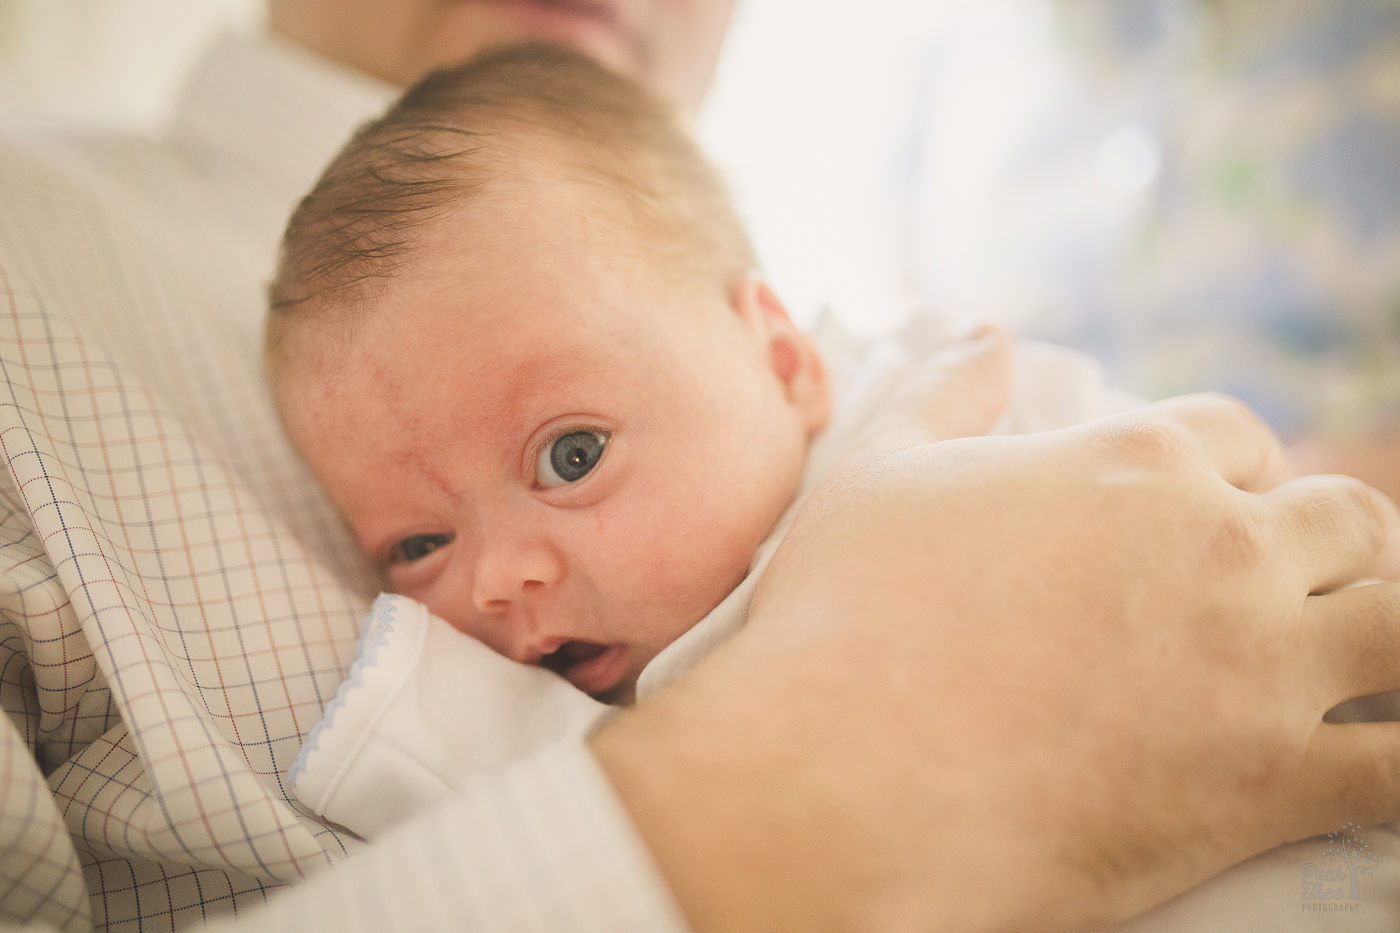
point(1028, 682)
point(1094, 676)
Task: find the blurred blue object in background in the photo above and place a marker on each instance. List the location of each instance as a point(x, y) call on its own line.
point(1205, 194)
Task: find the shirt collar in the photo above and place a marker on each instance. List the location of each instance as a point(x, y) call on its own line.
point(279, 109)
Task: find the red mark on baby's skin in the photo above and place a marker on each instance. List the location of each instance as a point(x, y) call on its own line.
point(390, 390)
point(415, 438)
point(412, 462)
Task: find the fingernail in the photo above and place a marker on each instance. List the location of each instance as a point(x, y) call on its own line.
point(977, 333)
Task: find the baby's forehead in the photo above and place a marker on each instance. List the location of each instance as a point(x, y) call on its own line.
point(568, 244)
point(543, 247)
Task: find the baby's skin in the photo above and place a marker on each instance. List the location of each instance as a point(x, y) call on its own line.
point(513, 335)
point(559, 453)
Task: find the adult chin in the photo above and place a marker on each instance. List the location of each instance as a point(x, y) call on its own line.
point(399, 41)
point(598, 28)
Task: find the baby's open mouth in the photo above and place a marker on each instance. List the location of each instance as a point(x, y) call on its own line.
point(570, 653)
point(589, 666)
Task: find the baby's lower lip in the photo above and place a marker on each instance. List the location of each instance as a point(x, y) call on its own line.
point(598, 673)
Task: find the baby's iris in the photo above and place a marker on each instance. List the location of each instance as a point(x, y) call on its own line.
point(569, 457)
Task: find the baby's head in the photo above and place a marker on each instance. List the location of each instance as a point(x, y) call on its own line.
point(515, 335)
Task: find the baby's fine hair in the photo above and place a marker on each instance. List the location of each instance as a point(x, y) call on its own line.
point(462, 128)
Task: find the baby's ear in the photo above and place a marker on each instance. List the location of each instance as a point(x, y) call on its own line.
point(791, 354)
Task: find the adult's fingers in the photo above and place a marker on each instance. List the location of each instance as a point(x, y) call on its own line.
point(1232, 438)
point(1351, 773)
point(1339, 530)
point(1352, 642)
point(967, 387)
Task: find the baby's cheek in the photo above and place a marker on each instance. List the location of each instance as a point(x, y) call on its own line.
point(681, 556)
point(690, 578)
point(439, 594)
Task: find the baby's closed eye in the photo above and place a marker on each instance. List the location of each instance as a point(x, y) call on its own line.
point(416, 547)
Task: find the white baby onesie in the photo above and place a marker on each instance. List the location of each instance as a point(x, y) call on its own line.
point(405, 731)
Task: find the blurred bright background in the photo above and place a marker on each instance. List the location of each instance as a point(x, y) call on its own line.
point(811, 96)
point(1201, 193)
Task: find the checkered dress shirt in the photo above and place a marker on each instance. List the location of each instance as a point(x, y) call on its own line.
point(177, 602)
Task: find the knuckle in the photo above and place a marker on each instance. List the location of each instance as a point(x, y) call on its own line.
point(1372, 632)
point(1369, 520)
point(1347, 510)
point(1369, 781)
point(1240, 542)
point(1215, 406)
point(1152, 443)
point(1229, 406)
point(1268, 770)
point(1385, 610)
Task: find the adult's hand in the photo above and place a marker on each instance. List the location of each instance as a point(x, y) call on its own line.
point(1373, 457)
point(1028, 682)
point(960, 392)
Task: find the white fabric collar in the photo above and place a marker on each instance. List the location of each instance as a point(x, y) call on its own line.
point(279, 109)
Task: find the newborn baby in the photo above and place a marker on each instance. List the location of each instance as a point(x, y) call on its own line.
point(516, 335)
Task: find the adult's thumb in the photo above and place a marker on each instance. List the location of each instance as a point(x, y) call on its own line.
point(967, 387)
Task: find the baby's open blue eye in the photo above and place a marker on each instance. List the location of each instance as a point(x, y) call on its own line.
point(419, 546)
point(569, 457)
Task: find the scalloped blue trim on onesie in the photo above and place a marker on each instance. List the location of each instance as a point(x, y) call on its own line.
point(379, 625)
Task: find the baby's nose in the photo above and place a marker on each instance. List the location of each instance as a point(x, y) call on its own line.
point(512, 576)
